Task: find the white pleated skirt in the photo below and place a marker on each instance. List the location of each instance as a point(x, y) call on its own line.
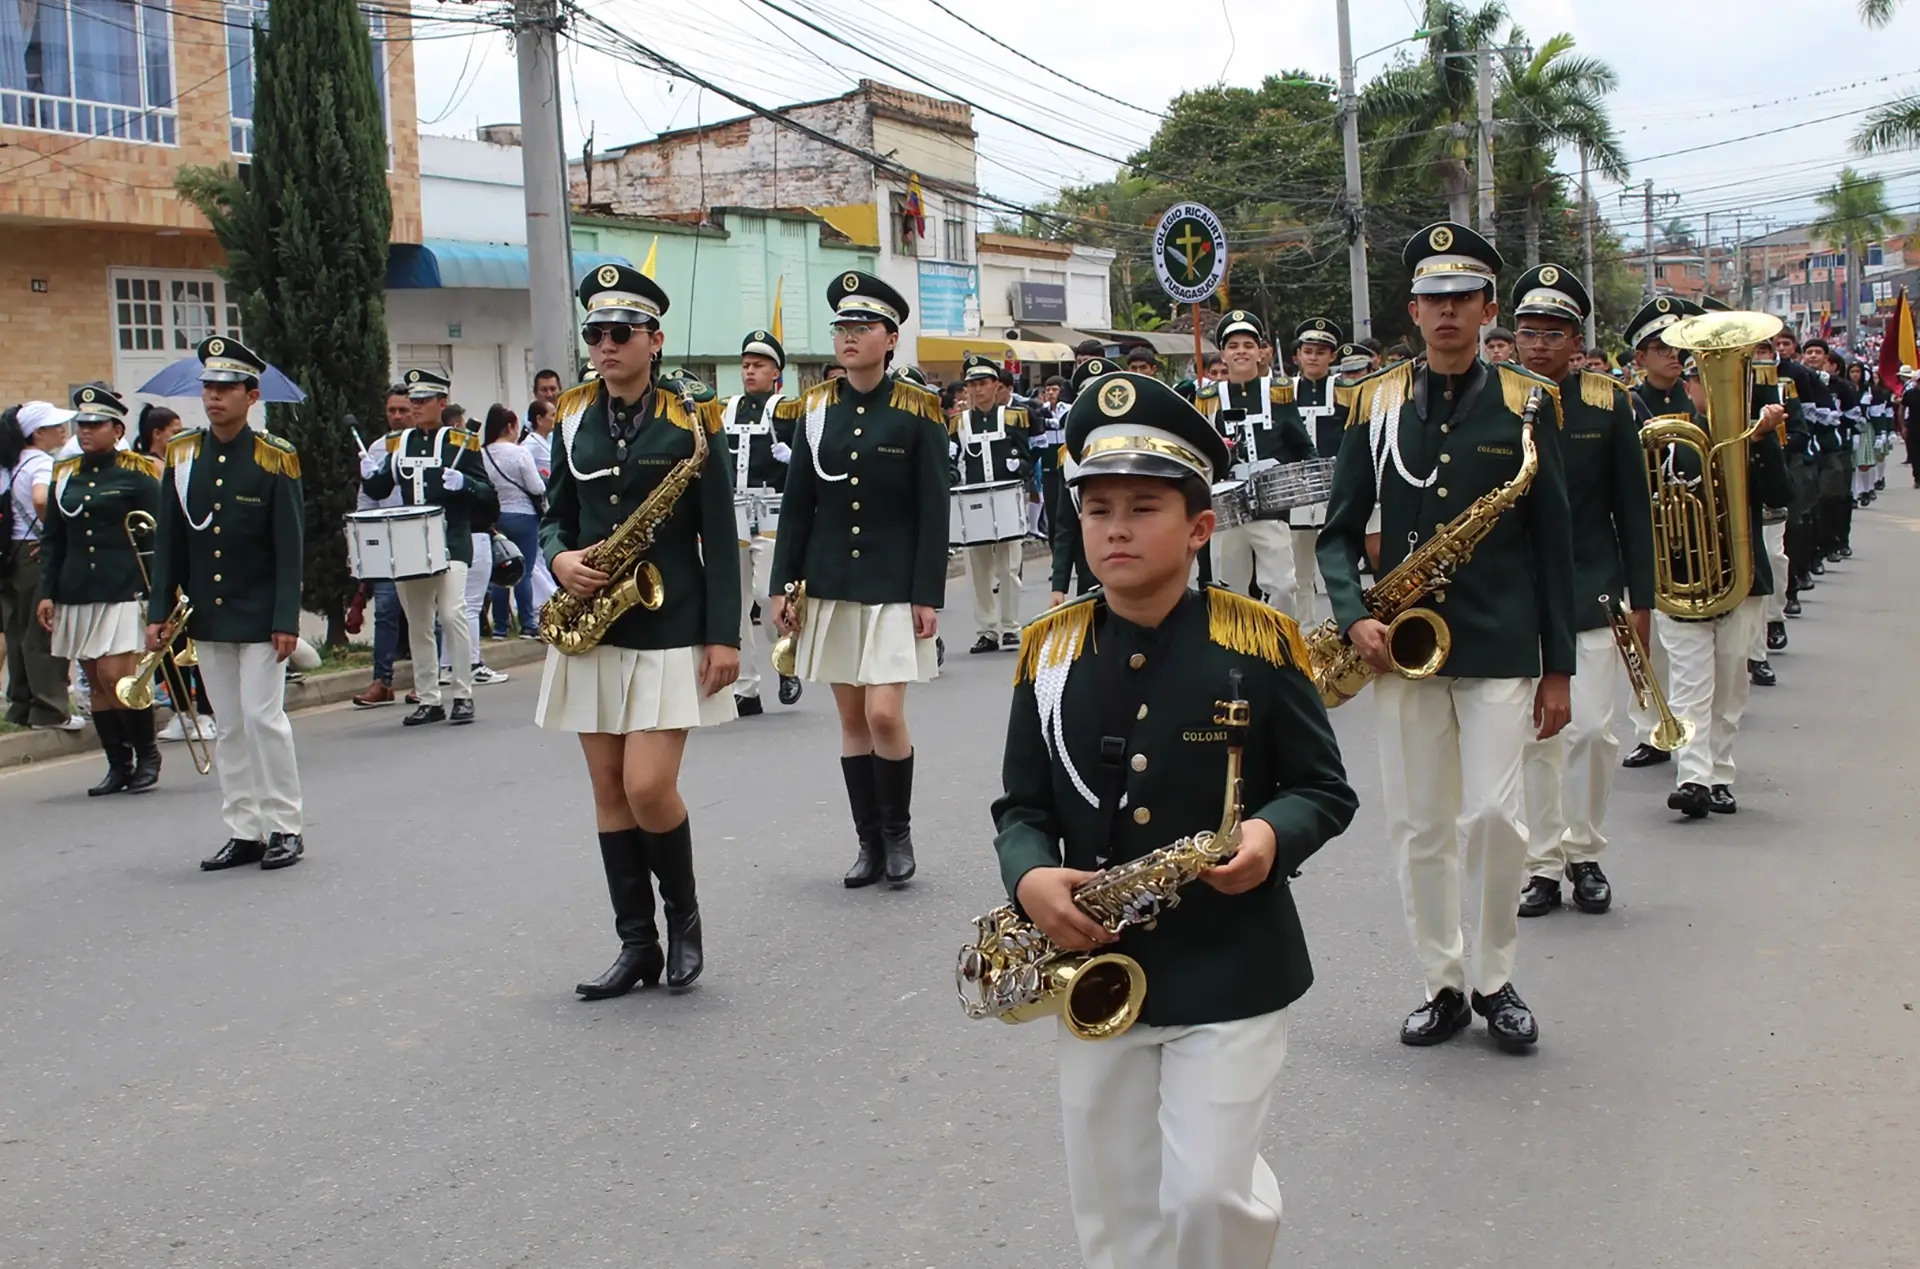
point(82, 632)
point(620, 690)
point(864, 645)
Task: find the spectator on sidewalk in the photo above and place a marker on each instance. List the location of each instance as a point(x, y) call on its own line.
point(546, 387)
point(538, 440)
point(518, 483)
point(36, 679)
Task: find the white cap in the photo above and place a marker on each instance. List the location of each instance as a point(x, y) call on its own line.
point(37, 415)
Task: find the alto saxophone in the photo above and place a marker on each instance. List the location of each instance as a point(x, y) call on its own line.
point(1013, 972)
point(1417, 638)
point(575, 625)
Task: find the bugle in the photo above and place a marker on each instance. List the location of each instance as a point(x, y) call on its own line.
point(135, 690)
point(1671, 732)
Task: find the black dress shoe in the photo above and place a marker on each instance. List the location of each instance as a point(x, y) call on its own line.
point(1793, 608)
point(1591, 890)
point(1509, 1021)
point(1541, 896)
point(1437, 1021)
point(462, 712)
point(1846, 552)
point(985, 643)
point(1690, 800)
point(1720, 800)
point(424, 715)
point(864, 800)
point(234, 854)
point(790, 688)
point(1645, 755)
point(1010, 642)
point(1776, 636)
point(1806, 583)
point(1761, 672)
point(1819, 567)
point(748, 706)
point(283, 851)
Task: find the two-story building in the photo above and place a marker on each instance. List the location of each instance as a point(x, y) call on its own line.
point(105, 272)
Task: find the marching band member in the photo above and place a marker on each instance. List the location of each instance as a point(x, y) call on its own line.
point(993, 447)
point(1428, 439)
point(1104, 764)
point(863, 524)
point(1070, 571)
point(656, 673)
point(760, 450)
point(1245, 409)
point(229, 538)
point(1316, 343)
point(1569, 776)
point(1048, 436)
point(91, 584)
point(432, 465)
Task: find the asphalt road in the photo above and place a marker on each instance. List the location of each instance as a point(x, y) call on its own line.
point(376, 1058)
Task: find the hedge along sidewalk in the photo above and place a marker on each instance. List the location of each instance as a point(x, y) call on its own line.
point(23, 747)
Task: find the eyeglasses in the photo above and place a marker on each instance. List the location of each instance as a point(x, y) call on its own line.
point(855, 330)
point(1550, 338)
point(618, 332)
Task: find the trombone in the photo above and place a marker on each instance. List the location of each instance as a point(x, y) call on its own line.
point(135, 691)
point(1670, 732)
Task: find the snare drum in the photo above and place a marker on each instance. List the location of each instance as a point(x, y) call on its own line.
point(1279, 489)
point(396, 543)
point(983, 514)
point(1230, 506)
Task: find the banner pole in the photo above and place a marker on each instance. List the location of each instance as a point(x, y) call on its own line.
point(1199, 361)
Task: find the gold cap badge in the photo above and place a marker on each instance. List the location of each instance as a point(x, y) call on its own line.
point(1549, 275)
point(1441, 238)
point(1663, 304)
point(1116, 398)
point(215, 347)
point(1320, 325)
point(850, 283)
point(86, 394)
point(608, 275)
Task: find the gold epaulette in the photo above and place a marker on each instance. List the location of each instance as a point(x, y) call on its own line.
point(463, 439)
point(138, 462)
point(1517, 384)
point(1765, 374)
point(915, 399)
point(1344, 395)
point(712, 412)
point(66, 467)
point(1281, 392)
point(795, 408)
point(1055, 637)
point(271, 453)
point(1208, 399)
point(1602, 392)
point(1367, 389)
point(393, 440)
point(1017, 418)
point(576, 399)
point(184, 446)
point(1249, 627)
point(1789, 391)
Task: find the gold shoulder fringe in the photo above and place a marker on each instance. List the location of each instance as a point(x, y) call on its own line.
point(281, 459)
point(793, 409)
point(1281, 393)
point(1018, 418)
point(466, 440)
point(66, 467)
point(576, 399)
point(1249, 627)
point(1344, 395)
point(1516, 384)
point(1765, 375)
point(1073, 621)
point(137, 462)
point(1370, 387)
point(1789, 391)
point(1602, 392)
point(915, 399)
point(186, 445)
point(713, 413)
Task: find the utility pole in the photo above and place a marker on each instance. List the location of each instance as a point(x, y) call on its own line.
point(543, 158)
point(1483, 73)
point(1356, 210)
point(1586, 248)
point(1737, 294)
point(1646, 193)
point(1706, 252)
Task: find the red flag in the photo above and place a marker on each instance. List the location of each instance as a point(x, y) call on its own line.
point(1897, 344)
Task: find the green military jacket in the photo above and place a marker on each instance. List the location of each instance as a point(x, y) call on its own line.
point(86, 556)
point(994, 447)
point(1649, 400)
point(1607, 495)
point(231, 524)
point(1069, 548)
point(1083, 674)
point(1510, 606)
point(864, 516)
point(1259, 426)
point(598, 481)
point(747, 424)
point(445, 448)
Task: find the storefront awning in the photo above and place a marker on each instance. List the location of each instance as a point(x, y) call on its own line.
point(954, 349)
point(1053, 334)
point(491, 266)
point(1166, 343)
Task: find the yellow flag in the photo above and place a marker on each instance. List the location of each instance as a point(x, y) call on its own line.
point(653, 256)
point(779, 332)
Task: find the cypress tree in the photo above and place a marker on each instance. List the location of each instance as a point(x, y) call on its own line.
point(305, 227)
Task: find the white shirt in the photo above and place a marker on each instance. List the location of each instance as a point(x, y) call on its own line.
point(514, 478)
point(35, 471)
point(541, 448)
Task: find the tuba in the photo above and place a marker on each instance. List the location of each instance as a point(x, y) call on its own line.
point(1703, 526)
point(1013, 972)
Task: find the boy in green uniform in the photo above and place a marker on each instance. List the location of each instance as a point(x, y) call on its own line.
point(1428, 439)
point(229, 536)
point(1111, 754)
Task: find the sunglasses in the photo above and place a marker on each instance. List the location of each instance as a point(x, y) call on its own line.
point(618, 332)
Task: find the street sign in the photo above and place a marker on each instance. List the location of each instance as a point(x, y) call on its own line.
point(1190, 252)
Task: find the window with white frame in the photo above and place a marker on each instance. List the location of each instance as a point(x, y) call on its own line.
point(958, 241)
point(242, 17)
point(170, 311)
point(90, 68)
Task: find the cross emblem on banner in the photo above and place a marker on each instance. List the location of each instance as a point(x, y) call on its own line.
point(1187, 241)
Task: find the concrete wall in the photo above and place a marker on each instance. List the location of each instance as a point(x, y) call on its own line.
point(473, 191)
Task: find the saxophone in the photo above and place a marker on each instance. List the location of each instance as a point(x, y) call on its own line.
point(1417, 638)
point(1013, 972)
point(574, 625)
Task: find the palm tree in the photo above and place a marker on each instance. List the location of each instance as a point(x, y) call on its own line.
point(1895, 126)
point(1678, 234)
point(1423, 113)
point(1548, 101)
point(1853, 213)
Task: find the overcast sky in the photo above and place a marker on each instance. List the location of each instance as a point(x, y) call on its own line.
point(1695, 75)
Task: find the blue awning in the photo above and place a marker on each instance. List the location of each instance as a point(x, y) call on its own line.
point(442, 262)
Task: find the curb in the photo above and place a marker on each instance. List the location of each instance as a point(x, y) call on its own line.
point(22, 748)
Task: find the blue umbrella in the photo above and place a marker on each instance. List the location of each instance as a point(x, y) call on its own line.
point(182, 379)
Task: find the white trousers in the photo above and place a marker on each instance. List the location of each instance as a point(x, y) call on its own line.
point(442, 597)
point(1710, 687)
point(1306, 566)
point(756, 569)
point(253, 753)
point(1569, 777)
point(1775, 605)
point(1645, 720)
point(997, 563)
point(1163, 1128)
point(479, 576)
point(1450, 752)
point(1262, 549)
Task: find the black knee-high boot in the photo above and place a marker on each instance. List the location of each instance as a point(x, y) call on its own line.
point(136, 729)
point(863, 797)
point(672, 855)
point(113, 742)
point(894, 781)
point(630, 886)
